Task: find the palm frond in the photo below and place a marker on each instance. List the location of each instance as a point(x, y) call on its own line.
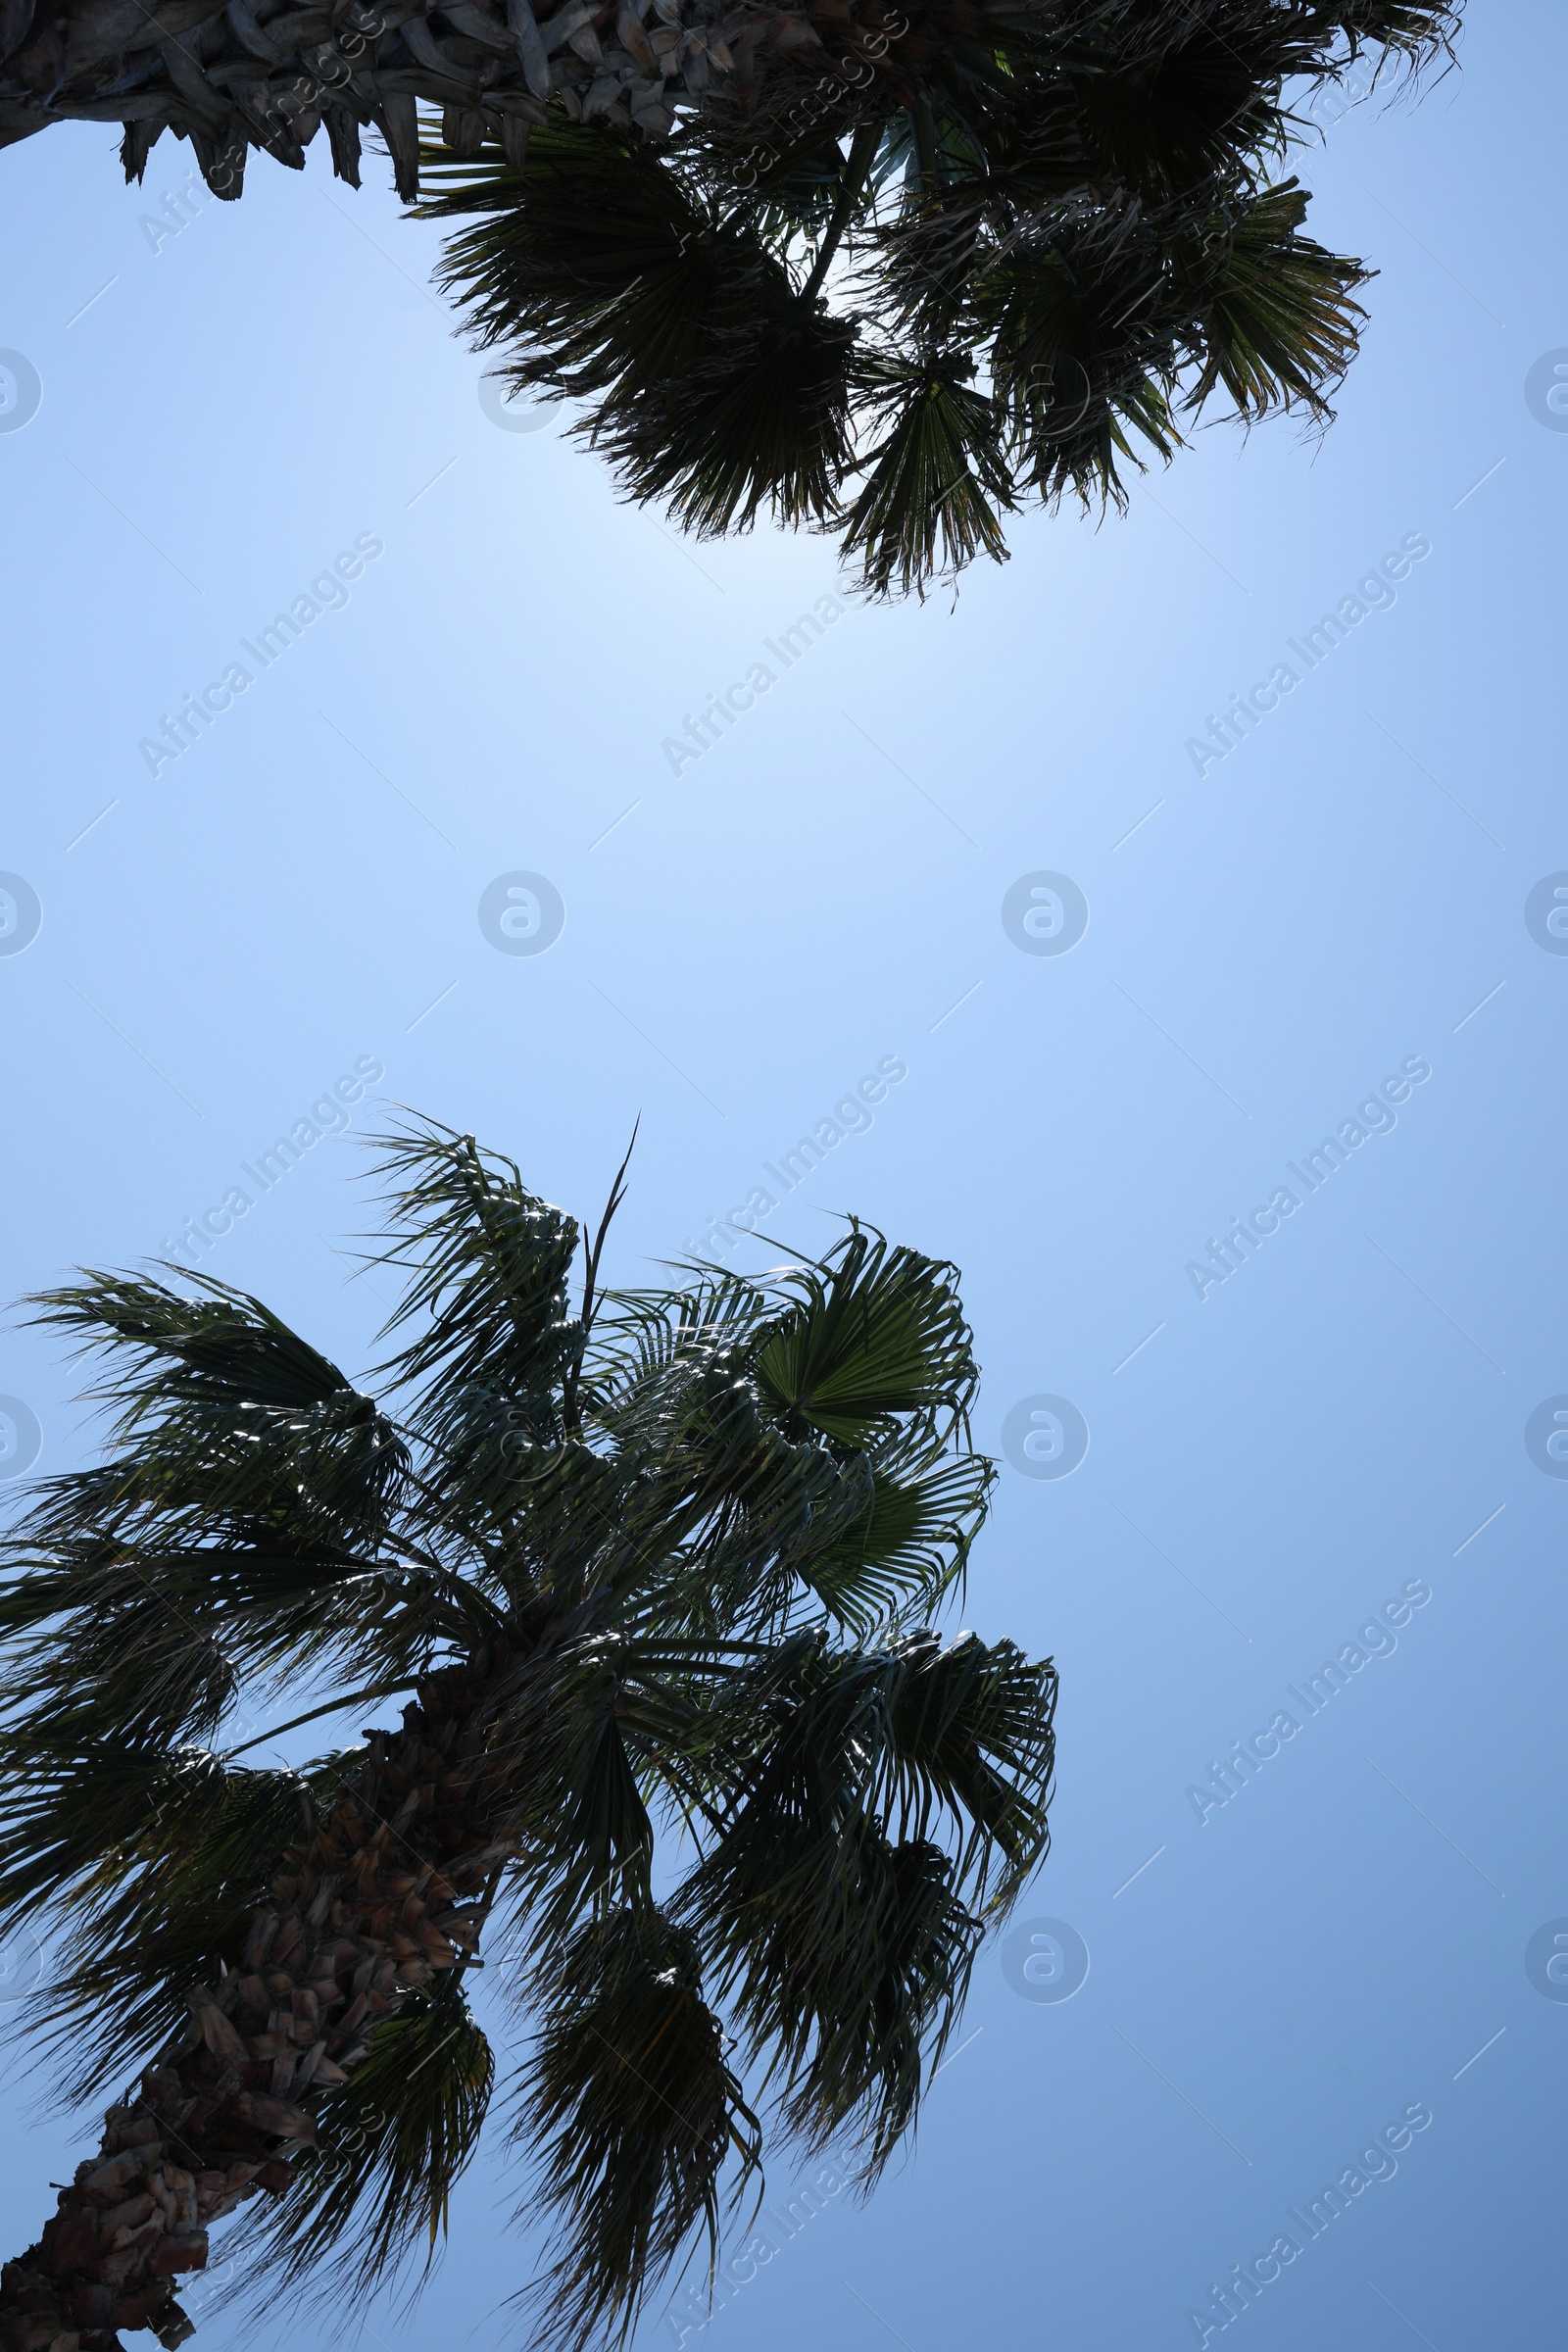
point(1415, 31)
point(372, 2193)
point(221, 1348)
point(485, 1303)
point(592, 252)
point(630, 2096)
point(884, 2007)
point(145, 1641)
point(842, 1953)
point(761, 420)
point(227, 1411)
point(910, 1549)
point(1084, 351)
point(971, 1739)
point(877, 1338)
point(151, 1864)
point(577, 1804)
point(936, 483)
point(1180, 98)
point(1277, 324)
point(881, 1804)
point(715, 386)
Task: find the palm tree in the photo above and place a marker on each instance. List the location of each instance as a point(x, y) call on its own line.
point(1052, 229)
point(665, 1564)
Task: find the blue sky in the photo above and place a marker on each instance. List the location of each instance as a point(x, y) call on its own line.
point(1341, 899)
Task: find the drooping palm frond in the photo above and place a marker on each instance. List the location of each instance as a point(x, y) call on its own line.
point(151, 1864)
point(717, 386)
point(1278, 323)
point(629, 2098)
point(882, 1805)
point(937, 483)
point(372, 2193)
point(661, 1562)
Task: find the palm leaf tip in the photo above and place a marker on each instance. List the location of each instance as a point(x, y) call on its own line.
point(1279, 326)
point(491, 1338)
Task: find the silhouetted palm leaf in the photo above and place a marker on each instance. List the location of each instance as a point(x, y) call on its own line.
point(992, 267)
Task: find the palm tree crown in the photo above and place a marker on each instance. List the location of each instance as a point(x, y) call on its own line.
point(664, 1566)
point(888, 268)
point(944, 259)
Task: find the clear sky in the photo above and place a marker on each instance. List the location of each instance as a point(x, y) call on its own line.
point(1337, 903)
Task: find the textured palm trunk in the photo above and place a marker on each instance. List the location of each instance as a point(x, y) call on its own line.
point(265, 73)
point(370, 1907)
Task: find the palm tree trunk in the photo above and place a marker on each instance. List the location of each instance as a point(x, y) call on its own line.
point(232, 78)
point(368, 1907)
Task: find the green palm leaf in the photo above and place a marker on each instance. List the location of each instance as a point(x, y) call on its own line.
point(1277, 322)
point(715, 387)
point(909, 1547)
point(872, 1796)
point(936, 481)
point(628, 2094)
point(877, 1340)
